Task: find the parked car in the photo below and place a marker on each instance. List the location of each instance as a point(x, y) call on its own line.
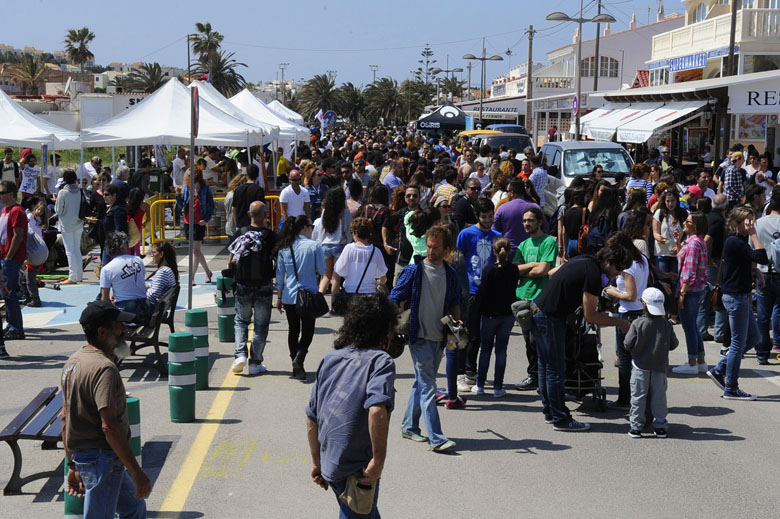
point(508, 128)
point(570, 159)
point(513, 141)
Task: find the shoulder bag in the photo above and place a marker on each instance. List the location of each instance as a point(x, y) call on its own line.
point(308, 304)
point(341, 299)
point(716, 297)
point(582, 237)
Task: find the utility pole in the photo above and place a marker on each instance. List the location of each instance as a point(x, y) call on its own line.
point(469, 67)
point(529, 85)
point(283, 66)
point(731, 69)
point(598, 65)
point(374, 68)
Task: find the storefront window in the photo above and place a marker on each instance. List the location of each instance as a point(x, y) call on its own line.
point(754, 63)
point(608, 67)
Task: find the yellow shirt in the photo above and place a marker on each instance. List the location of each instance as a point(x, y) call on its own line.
point(283, 166)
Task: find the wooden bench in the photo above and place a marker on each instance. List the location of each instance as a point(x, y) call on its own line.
point(149, 335)
point(40, 420)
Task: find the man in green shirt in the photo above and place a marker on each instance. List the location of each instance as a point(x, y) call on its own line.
point(534, 258)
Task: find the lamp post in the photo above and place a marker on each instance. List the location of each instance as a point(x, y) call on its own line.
point(374, 68)
point(563, 17)
point(451, 72)
point(483, 59)
point(283, 66)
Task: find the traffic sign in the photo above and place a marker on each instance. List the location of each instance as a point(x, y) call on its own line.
point(575, 105)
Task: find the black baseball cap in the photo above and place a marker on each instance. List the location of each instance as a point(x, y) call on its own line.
point(104, 311)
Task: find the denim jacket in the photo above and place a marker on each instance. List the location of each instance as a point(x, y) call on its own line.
point(205, 198)
point(409, 288)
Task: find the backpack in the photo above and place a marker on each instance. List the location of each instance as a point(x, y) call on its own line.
point(582, 236)
point(37, 251)
point(256, 268)
point(136, 179)
point(85, 209)
point(597, 234)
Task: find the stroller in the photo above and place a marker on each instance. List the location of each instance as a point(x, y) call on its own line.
point(583, 360)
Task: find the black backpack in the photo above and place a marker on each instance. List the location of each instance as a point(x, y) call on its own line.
point(256, 268)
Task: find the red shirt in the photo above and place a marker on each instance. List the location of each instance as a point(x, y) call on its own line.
point(13, 217)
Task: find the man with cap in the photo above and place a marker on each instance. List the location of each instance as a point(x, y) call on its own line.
point(88, 170)
point(649, 340)
point(689, 198)
point(95, 428)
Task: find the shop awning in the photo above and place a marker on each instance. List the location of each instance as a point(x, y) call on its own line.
point(674, 113)
point(598, 114)
point(604, 128)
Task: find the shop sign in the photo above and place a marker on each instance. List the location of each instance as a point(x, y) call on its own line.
point(698, 60)
point(755, 98)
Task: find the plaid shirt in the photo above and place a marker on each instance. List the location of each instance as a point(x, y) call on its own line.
point(733, 183)
point(693, 263)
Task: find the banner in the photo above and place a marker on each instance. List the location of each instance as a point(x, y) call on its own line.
point(760, 97)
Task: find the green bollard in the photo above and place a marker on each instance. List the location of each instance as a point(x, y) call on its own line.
point(224, 283)
point(181, 376)
point(74, 506)
point(134, 418)
point(197, 323)
point(226, 319)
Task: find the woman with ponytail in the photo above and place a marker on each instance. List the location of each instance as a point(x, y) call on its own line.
point(495, 297)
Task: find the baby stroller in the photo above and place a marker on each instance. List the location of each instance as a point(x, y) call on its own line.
point(583, 360)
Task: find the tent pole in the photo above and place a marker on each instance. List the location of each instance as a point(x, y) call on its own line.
point(113, 160)
point(136, 158)
point(191, 209)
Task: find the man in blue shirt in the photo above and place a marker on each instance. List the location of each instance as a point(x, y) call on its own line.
point(349, 411)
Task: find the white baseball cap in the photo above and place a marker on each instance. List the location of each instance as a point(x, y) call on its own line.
point(654, 299)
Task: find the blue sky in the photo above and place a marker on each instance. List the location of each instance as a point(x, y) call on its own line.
point(314, 36)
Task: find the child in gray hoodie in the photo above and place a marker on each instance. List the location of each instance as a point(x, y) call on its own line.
point(649, 340)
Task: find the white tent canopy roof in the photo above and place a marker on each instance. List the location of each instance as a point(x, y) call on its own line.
point(285, 112)
point(288, 130)
point(164, 118)
point(604, 128)
point(206, 91)
point(671, 114)
point(19, 127)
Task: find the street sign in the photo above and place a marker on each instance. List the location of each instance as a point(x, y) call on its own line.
point(575, 105)
point(195, 111)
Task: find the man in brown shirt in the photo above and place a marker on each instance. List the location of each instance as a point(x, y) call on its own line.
point(95, 430)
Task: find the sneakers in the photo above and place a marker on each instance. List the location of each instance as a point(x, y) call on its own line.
point(572, 426)
point(498, 393)
point(724, 352)
point(463, 386)
point(763, 362)
point(718, 379)
point(14, 335)
point(702, 367)
point(477, 390)
point(298, 372)
point(458, 403)
point(548, 419)
point(3, 353)
point(635, 433)
point(34, 303)
point(257, 369)
point(529, 383)
point(439, 395)
point(617, 404)
point(686, 369)
point(444, 447)
point(660, 433)
point(413, 436)
point(471, 379)
point(738, 395)
point(238, 364)
point(707, 337)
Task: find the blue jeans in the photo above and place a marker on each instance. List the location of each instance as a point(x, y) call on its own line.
point(667, 263)
point(455, 359)
point(688, 313)
point(551, 346)
point(624, 359)
point(767, 299)
point(495, 333)
point(571, 249)
point(426, 356)
point(13, 309)
point(703, 317)
point(744, 332)
point(109, 488)
point(249, 299)
point(138, 307)
point(344, 511)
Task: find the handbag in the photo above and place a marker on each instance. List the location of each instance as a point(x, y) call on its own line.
point(716, 297)
point(341, 299)
point(582, 236)
point(308, 304)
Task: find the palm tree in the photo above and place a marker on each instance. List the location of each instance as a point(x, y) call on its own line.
point(318, 93)
point(77, 45)
point(206, 43)
point(453, 86)
point(414, 96)
point(221, 68)
point(383, 100)
point(147, 78)
point(29, 72)
point(350, 102)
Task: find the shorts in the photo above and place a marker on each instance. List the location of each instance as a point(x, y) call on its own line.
point(332, 251)
point(198, 231)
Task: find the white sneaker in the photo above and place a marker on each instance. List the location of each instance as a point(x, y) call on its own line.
point(477, 390)
point(238, 364)
point(463, 387)
point(685, 369)
point(703, 367)
point(257, 369)
point(498, 393)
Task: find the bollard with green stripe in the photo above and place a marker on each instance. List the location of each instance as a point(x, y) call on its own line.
point(181, 376)
point(196, 322)
point(134, 419)
point(226, 309)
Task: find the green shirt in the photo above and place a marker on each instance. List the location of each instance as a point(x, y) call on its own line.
point(534, 250)
point(419, 246)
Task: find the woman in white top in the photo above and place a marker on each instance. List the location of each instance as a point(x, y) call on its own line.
point(71, 226)
point(332, 231)
point(358, 257)
point(667, 223)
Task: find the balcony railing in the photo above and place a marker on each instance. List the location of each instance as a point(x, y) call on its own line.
point(553, 82)
point(753, 25)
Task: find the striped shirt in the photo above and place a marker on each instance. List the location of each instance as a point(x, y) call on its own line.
point(162, 281)
point(693, 263)
point(643, 184)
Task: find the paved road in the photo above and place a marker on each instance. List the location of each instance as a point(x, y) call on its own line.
point(247, 453)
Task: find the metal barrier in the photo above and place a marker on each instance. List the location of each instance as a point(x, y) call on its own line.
point(158, 227)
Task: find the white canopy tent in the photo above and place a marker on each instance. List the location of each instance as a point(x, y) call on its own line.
point(19, 127)
point(206, 91)
point(597, 114)
point(164, 118)
point(668, 116)
point(603, 129)
point(289, 132)
point(285, 112)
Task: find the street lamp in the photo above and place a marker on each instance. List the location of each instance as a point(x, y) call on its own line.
point(483, 59)
point(563, 17)
point(451, 72)
point(283, 66)
point(374, 68)
point(332, 74)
